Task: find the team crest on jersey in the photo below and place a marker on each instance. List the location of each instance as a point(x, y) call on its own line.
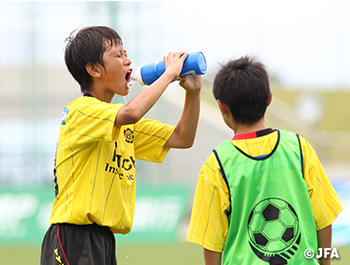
point(129, 135)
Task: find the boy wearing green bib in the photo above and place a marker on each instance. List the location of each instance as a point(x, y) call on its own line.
point(262, 197)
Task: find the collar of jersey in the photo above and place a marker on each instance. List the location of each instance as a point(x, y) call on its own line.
point(251, 135)
point(86, 94)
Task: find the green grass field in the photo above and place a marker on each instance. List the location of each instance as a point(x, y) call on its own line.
point(138, 254)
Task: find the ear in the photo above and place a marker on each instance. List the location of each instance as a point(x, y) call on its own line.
point(223, 107)
point(270, 99)
point(93, 70)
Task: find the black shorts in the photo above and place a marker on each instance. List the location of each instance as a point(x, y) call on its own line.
point(70, 244)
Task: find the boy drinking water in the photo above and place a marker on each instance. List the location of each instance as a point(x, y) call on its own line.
point(99, 143)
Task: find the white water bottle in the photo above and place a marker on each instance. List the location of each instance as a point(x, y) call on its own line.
point(194, 64)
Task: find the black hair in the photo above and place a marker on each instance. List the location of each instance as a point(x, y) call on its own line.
point(88, 46)
point(243, 85)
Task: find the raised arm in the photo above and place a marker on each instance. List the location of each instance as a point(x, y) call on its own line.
point(139, 105)
point(185, 130)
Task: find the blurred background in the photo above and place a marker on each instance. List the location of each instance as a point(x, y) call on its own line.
point(304, 44)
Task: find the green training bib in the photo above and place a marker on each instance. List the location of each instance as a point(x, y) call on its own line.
point(270, 220)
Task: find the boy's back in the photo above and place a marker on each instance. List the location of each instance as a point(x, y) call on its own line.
point(262, 197)
point(272, 201)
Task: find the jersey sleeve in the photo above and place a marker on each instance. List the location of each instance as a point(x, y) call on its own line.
point(209, 222)
point(150, 138)
point(94, 121)
point(325, 202)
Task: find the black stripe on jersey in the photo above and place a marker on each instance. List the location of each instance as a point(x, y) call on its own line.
point(264, 132)
point(55, 175)
point(223, 176)
point(301, 155)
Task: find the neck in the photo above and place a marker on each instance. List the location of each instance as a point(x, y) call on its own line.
point(245, 128)
point(101, 95)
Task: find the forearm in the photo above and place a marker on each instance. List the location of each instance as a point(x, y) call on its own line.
point(185, 130)
point(324, 238)
point(144, 101)
point(211, 257)
point(139, 105)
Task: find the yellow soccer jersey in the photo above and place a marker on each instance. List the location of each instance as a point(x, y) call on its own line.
point(209, 223)
point(95, 164)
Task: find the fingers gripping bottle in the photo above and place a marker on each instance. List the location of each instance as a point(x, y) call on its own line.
point(194, 64)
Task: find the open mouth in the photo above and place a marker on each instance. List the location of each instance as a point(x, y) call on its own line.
point(128, 75)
